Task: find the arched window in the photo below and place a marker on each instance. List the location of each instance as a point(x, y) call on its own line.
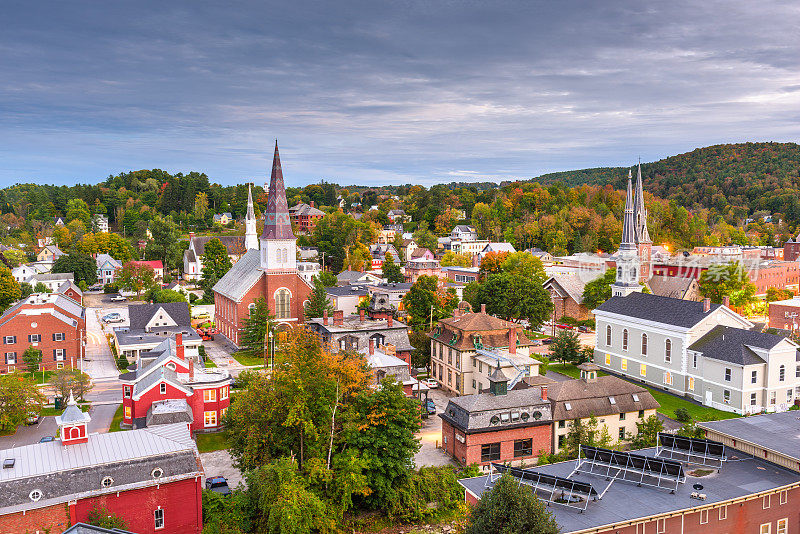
point(608, 335)
point(625, 339)
point(644, 344)
point(74, 432)
point(619, 272)
point(285, 255)
point(282, 298)
point(782, 373)
point(668, 350)
point(278, 255)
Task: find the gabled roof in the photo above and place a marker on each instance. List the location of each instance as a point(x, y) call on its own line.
point(241, 277)
point(676, 312)
point(477, 322)
point(102, 259)
point(733, 345)
point(352, 276)
point(141, 314)
point(571, 283)
point(234, 244)
point(592, 398)
point(306, 210)
point(671, 286)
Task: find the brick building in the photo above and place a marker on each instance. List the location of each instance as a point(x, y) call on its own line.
point(356, 332)
point(151, 478)
point(566, 294)
point(305, 217)
point(791, 249)
point(785, 314)
point(269, 272)
point(167, 373)
point(499, 426)
point(50, 322)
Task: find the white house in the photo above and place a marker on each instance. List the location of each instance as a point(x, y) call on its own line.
point(100, 223)
point(107, 268)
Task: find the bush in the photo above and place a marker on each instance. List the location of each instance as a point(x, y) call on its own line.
point(100, 517)
point(437, 485)
point(111, 288)
point(122, 363)
point(201, 350)
point(192, 298)
point(682, 415)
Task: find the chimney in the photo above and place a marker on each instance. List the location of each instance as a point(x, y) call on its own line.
point(726, 301)
point(191, 369)
point(191, 236)
point(179, 345)
point(512, 340)
point(390, 319)
point(456, 313)
point(325, 317)
point(361, 314)
point(706, 305)
point(544, 393)
point(312, 204)
point(483, 308)
point(371, 346)
point(338, 318)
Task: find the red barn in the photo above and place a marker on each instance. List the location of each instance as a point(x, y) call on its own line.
point(166, 374)
point(151, 478)
point(52, 323)
point(269, 272)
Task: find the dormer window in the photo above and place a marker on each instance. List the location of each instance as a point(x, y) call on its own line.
point(612, 400)
point(504, 417)
point(567, 406)
point(635, 397)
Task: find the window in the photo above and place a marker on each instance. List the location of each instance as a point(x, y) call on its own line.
point(668, 350)
point(773, 397)
point(612, 400)
point(766, 528)
point(523, 447)
point(449, 377)
point(788, 395)
point(643, 370)
point(223, 393)
point(210, 418)
point(691, 383)
point(282, 299)
point(60, 365)
point(727, 374)
point(641, 414)
point(752, 399)
point(35, 495)
point(754, 377)
point(34, 338)
point(608, 335)
point(278, 255)
point(622, 432)
point(449, 356)
point(163, 388)
point(624, 364)
point(490, 452)
point(157, 472)
point(561, 440)
point(784, 496)
point(661, 526)
point(608, 359)
point(209, 395)
point(703, 517)
point(781, 373)
point(59, 355)
point(562, 424)
point(158, 517)
point(765, 501)
point(127, 412)
point(782, 526)
point(694, 360)
point(9, 340)
point(644, 344)
point(11, 358)
point(107, 482)
point(622, 416)
point(668, 378)
point(726, 396)
point(723, 513)
point(285, 255)
point(625, 339)
point(126, 391)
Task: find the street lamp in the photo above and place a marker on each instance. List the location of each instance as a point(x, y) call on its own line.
point(271, 351)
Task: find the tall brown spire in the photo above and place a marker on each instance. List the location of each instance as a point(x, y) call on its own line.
point(639, 211)
point(628, 226)
point(277, 224)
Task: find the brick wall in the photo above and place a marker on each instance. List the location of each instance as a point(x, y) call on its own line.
point(469, 452)
point(781, 316)
point(53, 518)
point(21, 326)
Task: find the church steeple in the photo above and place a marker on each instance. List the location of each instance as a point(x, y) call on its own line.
point(250, 232)
point(628, 256)
point(639, 211)
point(278, 243)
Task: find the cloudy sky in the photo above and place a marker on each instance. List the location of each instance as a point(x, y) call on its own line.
point(386, 92)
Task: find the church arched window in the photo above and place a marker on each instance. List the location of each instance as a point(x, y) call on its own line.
point(282, 304)
point(278, 255)
point(285, 255)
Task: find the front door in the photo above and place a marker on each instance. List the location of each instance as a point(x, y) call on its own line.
point(709, 397)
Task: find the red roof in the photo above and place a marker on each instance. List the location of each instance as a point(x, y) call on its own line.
point(155, 264)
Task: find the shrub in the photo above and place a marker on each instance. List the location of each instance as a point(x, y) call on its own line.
point(682, 415)
point(100, 517)
point(111, 288)
point(425, 493)
point(192, 298)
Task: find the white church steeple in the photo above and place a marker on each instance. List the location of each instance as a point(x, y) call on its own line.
point(628, 256)
point(250, 233)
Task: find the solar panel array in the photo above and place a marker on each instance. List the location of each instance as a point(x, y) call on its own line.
point(696, 450)
point(647, 464)
point(560, 490)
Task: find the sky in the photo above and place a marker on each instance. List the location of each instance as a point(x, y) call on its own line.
point(386, 92)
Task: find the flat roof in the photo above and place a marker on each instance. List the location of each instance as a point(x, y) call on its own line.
point(625, 501)
point(778, 432)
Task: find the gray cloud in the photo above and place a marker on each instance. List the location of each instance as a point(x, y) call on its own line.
point(380, 92)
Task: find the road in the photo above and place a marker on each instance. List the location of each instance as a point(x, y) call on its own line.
point(430, 435)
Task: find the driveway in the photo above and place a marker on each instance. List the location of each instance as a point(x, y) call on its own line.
point(27, 435)
point(220, 463)
point(431, 434)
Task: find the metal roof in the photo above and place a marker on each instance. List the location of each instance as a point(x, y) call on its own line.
point(778, 432)
point(241, 277)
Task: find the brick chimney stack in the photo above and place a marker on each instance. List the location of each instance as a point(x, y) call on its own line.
point(544, 393)
point(726, 301)
point(179, 346)
point(361, 314)
point(338, 318)
point(706, 305)
point(512, 340)
point(191, 369)
point(371, 346)
point(389, 320)
point(483, 308)
point(325, 317)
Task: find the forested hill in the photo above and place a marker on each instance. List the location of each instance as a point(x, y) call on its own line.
point(736, 180)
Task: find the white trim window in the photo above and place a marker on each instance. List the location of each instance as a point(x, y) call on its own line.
point(59, 355)
point(668, 351)
point(158, 518)
point(625, 339)
point(210, 418)
point(644, 344)
point(209, 395)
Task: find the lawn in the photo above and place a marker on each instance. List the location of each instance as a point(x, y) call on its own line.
point(669, 403)
point(214, 441)
point(40, 377)
point(248, 361)
point(116, 420)
point(210, 363)
point(51, 410)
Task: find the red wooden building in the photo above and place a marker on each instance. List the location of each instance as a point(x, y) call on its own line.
point(166, 374)
point(269, 272)
point(151, 478)
point(52, 323)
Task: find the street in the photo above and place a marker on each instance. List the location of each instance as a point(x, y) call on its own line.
point(431, 434)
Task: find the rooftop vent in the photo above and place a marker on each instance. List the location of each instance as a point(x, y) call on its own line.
point(635, 397)
point(8, 463)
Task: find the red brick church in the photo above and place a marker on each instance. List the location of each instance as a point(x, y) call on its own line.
point(269, 272)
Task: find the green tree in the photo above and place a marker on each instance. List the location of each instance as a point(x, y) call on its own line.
point(9, 288)
point(19, 397)
point(451, 259)
point(216, 263)
point(164, 244)
point(201, 206)
point(255, 329)
point(83, 266)
point(328, 278)
point(510, 507)
point(391, 271)
point(727, 280)
point(647, 433)
point(776, 293)
point(15, 257)
point(380, 426)
point(101, 517)
point(319, 301)
point(32, 358)
point(155, 294)
point(41, 288)
point(71, 380)
point(77, 209)
point(428, 301)
point(136, 277)
point(26, 290)
point(524, 264)
point(566, 346)
point(598, 290)
point(585, 433)
point(512, 296)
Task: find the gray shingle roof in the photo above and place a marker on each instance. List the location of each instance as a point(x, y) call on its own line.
point(241, 277)
point(671, 286)
point(140, 314)
point(569, 282)
point(676, 312)
point(779, 432)
point(473, 413)
point(731, 345)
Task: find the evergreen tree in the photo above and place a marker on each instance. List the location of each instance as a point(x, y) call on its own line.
point(83, 266)
point(164, 244)
point(32, 358)
point(391, 271)
point(254, 336)
point(318, 302)
point(510, 507)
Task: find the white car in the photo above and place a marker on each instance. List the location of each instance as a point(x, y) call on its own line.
point(113, 318)
point(118, 298)
point(431, 383)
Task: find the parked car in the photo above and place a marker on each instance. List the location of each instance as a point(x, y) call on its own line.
point(584, 329)
point(46, 439)
point(33, 418)
point(431, 407)
point(219, 485)
point(118, 298)
point(113, 318)
point(547, 341)
point(201, 315)
point(431, 383)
